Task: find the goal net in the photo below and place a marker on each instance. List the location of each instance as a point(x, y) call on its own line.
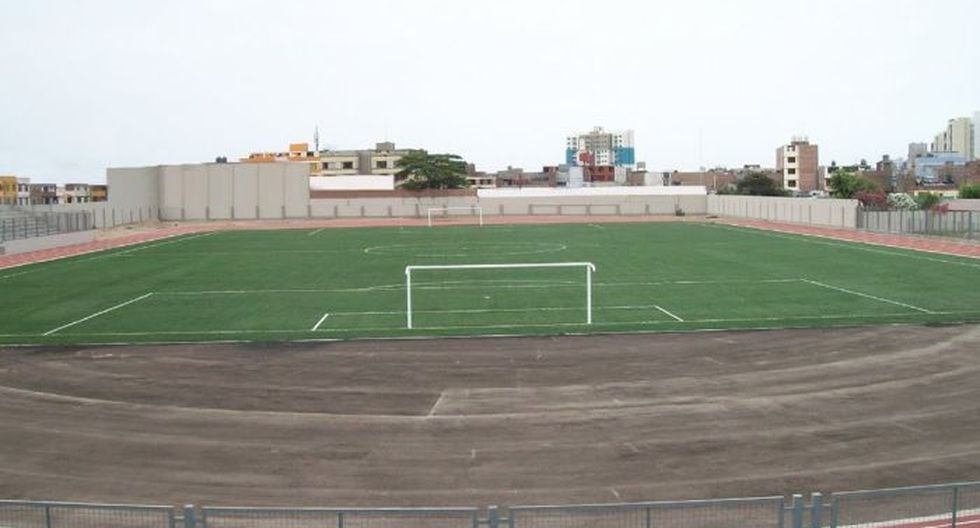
point(468, 215)
point(498, 295)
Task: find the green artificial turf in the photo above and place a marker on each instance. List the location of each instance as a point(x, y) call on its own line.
point(277, 285)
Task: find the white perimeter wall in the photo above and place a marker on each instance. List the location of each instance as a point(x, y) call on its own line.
point(814, 211)
point(221, 191)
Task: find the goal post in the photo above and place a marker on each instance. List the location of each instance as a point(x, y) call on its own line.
point(589, 270)
point(471, 209)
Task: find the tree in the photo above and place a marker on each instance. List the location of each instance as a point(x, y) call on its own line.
point(847, 185)
point(970, 191)
point(759, 184)
point(928, 200)
point(422, 170)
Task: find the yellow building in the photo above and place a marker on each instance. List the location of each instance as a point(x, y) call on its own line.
point(8, 190)
point(297, 153)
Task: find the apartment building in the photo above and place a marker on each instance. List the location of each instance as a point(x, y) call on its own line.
point(99, 193)
point(8, 190)
point(44, 193)
point(600, 147)
point(958, 137)
point(382, 160)
point(77, 193)
point(797, 165)
point(23, 191)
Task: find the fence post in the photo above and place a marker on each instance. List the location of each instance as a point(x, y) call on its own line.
point(493, 517)
point(189, 520)
point(797, 511)
point(47, 516)
point(956, 500)
point(340, 519)
point(816, 510)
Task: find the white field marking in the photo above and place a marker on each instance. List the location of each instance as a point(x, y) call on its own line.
point(177, 240)
point(432, 410)
point(506, 310)
point(541, 325)
point(18, 274)
point(315, 231)
point(474, 285)
point(849, 244)
point(320, 322)
point(511, 248)
point(615, 493)
point(96, 314)
point(867, 296)
point(658, 307)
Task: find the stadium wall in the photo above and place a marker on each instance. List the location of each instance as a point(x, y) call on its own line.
point(812, 211)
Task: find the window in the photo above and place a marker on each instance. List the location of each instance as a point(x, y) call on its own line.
point(791, 159)
point(381, 165)
point(791, 183)
point(348, 165)
point(790, 171)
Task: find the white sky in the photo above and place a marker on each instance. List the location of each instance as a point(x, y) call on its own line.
point(87, 85)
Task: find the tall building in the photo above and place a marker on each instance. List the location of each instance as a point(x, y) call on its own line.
point(958, 136)
point(601, 147)
point(798, 166)
point(976, 135)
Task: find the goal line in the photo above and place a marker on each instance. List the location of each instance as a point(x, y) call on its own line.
point(472, 209)
point(589, 270)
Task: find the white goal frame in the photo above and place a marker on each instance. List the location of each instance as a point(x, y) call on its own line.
point(589, 270)
point(471, 208)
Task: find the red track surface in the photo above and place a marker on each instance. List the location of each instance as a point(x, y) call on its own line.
point(964, 248)
point(934, 245)
point(967, 520)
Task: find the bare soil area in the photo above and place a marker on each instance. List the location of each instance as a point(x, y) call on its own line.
point(507, 421)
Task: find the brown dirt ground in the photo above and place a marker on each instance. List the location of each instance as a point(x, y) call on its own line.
point(508, 421)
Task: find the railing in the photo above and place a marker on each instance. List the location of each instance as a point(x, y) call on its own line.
point(937, 506)
point(959, 224)
point(18, 223)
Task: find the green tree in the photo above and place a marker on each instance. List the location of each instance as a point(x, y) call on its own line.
point(847, 185)
point(928, 200)
point(970, 191)
point(759, 184)
point(421, 170)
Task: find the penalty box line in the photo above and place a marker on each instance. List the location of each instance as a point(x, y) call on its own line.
point(868, 296)
point(97, 314)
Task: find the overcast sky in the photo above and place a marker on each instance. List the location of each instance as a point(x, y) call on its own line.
point(88, 85)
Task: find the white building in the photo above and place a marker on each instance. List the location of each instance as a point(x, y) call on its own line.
point(601, 147)
point(958, 136)
point(23, 191)
point(976, 135)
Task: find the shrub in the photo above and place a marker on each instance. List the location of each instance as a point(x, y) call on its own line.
point(970, 191)
point(872, 200)
point(902, 202)
point(928, 200)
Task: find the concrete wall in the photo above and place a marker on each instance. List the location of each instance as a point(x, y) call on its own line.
point(824, 212)
point(218, 191)
point(12, 247)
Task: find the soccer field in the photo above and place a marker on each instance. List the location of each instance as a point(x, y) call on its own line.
point(350, 283)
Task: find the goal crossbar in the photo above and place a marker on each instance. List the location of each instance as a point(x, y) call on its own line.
point(469, 208)
point(589, 270)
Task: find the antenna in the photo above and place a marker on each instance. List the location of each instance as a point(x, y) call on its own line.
point(316, 139)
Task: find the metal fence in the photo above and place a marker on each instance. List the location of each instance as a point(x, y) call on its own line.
point(764, 512)
point(17, 224)
point(938, 506)
point(960, 224)
point(339, 518)
point(30, 514)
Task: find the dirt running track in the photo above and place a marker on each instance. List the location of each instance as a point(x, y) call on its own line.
point(497, 420)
